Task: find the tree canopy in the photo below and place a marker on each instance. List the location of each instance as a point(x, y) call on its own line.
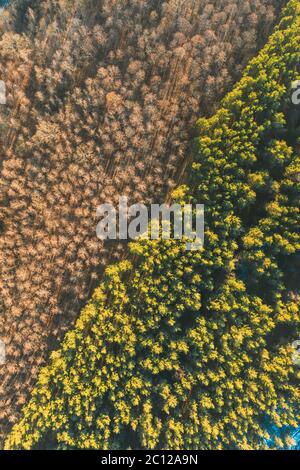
point(193, 350)
point(102, 100)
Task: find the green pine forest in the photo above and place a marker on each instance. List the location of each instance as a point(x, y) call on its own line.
point(185, 349)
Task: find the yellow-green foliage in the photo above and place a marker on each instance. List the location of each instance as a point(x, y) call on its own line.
point(192, 350)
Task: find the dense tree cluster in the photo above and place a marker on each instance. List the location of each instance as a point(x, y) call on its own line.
point(102, 97)
point(192, 350)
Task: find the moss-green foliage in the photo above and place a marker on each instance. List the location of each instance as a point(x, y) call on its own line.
point(192, 350)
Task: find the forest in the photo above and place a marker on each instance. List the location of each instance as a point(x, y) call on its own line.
point(147, 345)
